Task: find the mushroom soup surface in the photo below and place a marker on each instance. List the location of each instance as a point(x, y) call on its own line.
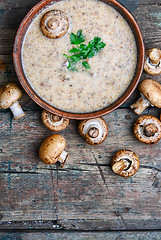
point(85, 90)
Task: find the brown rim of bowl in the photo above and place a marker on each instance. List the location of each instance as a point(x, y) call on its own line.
point(25, 84)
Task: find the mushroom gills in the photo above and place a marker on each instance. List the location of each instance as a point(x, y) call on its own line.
point(17, 110)
point(127, 163)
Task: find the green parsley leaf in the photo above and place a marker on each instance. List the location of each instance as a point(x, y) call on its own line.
point(72, 38)
point(91, 54)
point(74, 50)
point(76, 57)
point(72, 65)
point(86, 65)
point(78, 38)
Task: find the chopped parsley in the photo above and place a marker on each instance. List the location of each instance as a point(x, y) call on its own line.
point(82, 52)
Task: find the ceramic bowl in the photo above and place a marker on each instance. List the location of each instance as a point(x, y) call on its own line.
point(25, 84)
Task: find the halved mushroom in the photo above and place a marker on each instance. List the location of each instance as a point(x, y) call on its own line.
point(147, 129)
point(152, 63)
point(54, 122)
point(150, 91)
point(125, 163)
point(52, 150)
point(94, 131)
point(54, 24)
point(9, 95)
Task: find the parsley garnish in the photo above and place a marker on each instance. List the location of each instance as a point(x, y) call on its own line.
point(78, 38)
point(82, 52)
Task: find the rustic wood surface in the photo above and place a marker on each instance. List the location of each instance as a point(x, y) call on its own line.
point(82, 236)
point(85, 194)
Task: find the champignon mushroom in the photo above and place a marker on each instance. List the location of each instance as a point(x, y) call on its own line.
point(52, 150)
point(94, 131)
point(54, 24)
point(150, 95)
point(9, 95)
point(152, 63)
point(125, 163)
point(54, 122)
point(147, 129)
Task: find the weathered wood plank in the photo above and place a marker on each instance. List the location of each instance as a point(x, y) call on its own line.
point(8, 4)
point(27, 196)
point(85, 195)
point(88, 195)
point(82, 236)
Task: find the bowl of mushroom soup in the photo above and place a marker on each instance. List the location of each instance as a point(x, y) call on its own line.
point(79, 59)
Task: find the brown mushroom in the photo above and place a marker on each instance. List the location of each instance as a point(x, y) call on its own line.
point(9, 95)
point(125, 163)
point(94, 131)
point(52, 150)
point(54, 122)
point(54, 24)
point(147, 129)
point(152, 63)
point(150, 95)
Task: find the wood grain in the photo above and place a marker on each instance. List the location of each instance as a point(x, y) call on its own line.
point(82, 236)
point(85, 194)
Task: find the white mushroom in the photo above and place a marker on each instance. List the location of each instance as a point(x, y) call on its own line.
point(152, 63)
point(150, 95)
point(9, 95)
point(54, 122)
point(52, 150)
point(147, 129)
point(94, 131)
point(125, 163)
point(54, 24)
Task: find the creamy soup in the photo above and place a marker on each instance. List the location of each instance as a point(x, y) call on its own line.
point(86, 90)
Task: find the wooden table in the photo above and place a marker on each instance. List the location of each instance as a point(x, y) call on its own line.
point(85, 199)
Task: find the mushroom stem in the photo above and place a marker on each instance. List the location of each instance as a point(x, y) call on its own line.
point(150, 130)
point(56, 120)
point(17, 110)
point(63, 157)
point(140, 105)
point(94, 131)
point(118, 166)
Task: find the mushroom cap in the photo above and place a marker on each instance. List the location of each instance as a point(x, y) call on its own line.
point(54, 24)
point(152, 63)
point(51, 148)
point(125, 163)
point(93, 124)
point(147, 129)
point(9, 94)
point(53, 122)
point(152, 91)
